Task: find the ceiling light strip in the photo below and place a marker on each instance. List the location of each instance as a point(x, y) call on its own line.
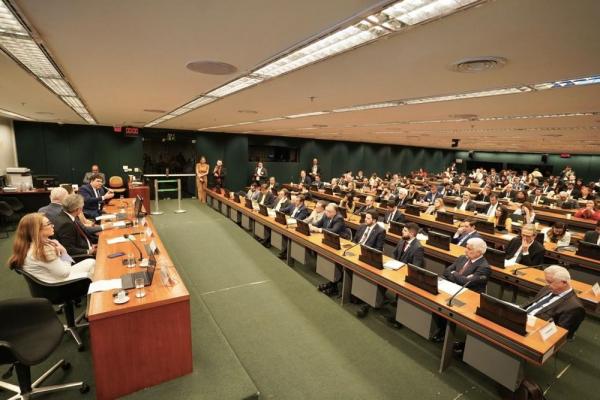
point(391, 19)
point(17, 42)
point(14, 115)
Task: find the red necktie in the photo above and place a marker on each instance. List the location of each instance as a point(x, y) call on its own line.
point(464, 267)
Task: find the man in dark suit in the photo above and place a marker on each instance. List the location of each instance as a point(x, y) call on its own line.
point(471, 269)
point(465, 232)
point(525, 249)
point(94, 196)
point(69, 231)
point(370, 233)
point(273, 184)
point(393, 214)
point(490, 211)
point(432, 195)
point(557, 301)
point(368, 206)
point(55, 208)
point(297, 209)
point(466, 204)
point(304, 179)
point(537, 197)
point(315, 169)
point(317, 182)
point(282, 201)
point(266, 197)
point(593, 236)
point(484, 195)
point(260, 173)
point(409, 249)
point(331, 221)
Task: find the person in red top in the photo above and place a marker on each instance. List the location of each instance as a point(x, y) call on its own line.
point(591, 210)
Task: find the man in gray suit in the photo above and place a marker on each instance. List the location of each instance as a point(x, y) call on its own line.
point(95, 171)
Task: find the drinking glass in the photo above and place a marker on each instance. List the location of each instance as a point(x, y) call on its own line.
point(139, 288)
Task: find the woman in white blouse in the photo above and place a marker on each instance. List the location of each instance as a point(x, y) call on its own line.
point(45, 259)
point(558, 234)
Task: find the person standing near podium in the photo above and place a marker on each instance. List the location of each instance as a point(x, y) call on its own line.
point(219, 175)
point(202, 169)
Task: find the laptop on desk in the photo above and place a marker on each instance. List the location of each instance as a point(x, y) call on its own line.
point(128, 280)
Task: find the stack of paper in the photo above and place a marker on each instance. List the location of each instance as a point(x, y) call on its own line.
point(104, 285)
point(393, 264)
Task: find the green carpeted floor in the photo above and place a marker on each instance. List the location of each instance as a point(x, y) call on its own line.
point(261, 326)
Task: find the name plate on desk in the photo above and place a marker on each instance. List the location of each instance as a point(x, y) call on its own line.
point(547, 331)
point(596, 289)
point(148, 232)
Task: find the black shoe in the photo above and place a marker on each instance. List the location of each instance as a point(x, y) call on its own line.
point(267, 244)
point(330, 291)
point(363, 311)
point(282, 256)
point(458, 349)
point(438, 338)
point(324, 286)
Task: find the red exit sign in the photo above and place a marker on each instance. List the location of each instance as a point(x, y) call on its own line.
point(130, 131)
point(565, 155)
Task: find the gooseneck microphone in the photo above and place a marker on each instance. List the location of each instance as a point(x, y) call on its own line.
point(132, 240)
point(514, 272)
point(347, 251)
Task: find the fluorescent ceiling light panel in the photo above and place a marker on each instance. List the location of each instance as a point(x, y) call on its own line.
point(199, 102)
point(29, 54)
point(72, 101)
point(59, 86)
point(368, 107)
point(486, 93)
point(15, 115)
point(9, 23)
point(590, 80)
point(271, 119)
point(311, 114)
point(235, 86)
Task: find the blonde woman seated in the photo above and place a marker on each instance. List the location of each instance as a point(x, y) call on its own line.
point(45, 259)
point(438, 205)
point(558, 234)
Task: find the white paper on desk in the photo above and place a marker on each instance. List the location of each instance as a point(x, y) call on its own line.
point(596, 289)
point(119, 239)
point(145, 262)
point(106, 216)
point(290, 221)
point(104, 285)
point(143, 221)
point(119, 224)
point(531, 319)
point(449, 287)
point(148, 232)
point(510, 262)
point(393, 264)
point(271, 213)
point(421, 237)
point(508, 236)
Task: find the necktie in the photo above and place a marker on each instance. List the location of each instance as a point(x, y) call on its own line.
point(492, 211)
point(541, 303)
point(404, 247)
point(329, 223)
point(365, 235)
point(294, 213)
point(82, 233)
point(463, 239)
point(464, 267)
point(391, 216)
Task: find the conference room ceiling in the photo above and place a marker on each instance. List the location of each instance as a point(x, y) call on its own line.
point(126, 57)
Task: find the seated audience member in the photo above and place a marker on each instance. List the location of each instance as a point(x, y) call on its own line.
point(46, 259)
point(557, 301)
point(317, 182)
point(412, 195)
point(590, 211)
point(297, 209)
point(94, 196)
point(508, 192)
point(409, 249)
point(318, 212)
point(466, 204)
point(304, 179)
point(368, 206)
point(393, 214)
point(370, 233)
point(472, 269)
point(586, 194)
point(558, 234)
point(526, 210)
point(273, 184)
point(95, 171)
point(501, 220)
point(265, 197)
point(402, 199)
point(490, 211)
point(593, 236)
point(432, 195)
point(524, 249)
point(563, 201)
point(520, 197)
point(69, 231)
point(537, 198)
point(438, 205)
point(331, 221)
point(253, 192)
point(465, 232)
point(455, 191)
point(282, 201)
point(55, 207)
point(484, 195)
point(348, 202)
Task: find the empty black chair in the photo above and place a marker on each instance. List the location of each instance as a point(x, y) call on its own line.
point(61, 293)
point(29, 334)
point(346, 234)
point(6, 216)
point(14, 203)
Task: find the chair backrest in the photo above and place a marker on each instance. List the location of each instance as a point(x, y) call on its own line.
point(5, 209)
point(115, 181)
point(57, 293)
point(346, 234)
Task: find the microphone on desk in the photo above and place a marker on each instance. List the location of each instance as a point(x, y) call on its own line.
point(131, 239)
point(449, 302)
point(514, 272)
point(347, 251)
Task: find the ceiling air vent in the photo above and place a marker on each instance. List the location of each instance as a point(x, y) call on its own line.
point(478, 64)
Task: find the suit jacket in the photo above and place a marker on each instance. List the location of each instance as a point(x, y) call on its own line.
point(591, 236)
point(398, 217)
point(267, 199)
point(319, 185)
point(479, 271)
point(376, 237)
point(482, 197)
point(67, 234)
point(430, 197)
point(52, 211)
point(301, 214)
point(462, 242)
point(414, 253)
point(306, 181)
point(92, 205)
point(402, 202)
point(568, 312)
point(88, 176)
point(335, 225)
point(535, 256)
point(286, 203)
point(363, 209)
point(471, 206)
point(262, 176)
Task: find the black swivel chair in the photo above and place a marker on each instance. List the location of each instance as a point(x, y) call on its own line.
point(29, 334)
point(62, 293)
point(7, 215)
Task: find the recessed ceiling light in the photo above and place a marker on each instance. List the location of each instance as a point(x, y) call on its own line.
point(211, 67)
point(478, 64)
